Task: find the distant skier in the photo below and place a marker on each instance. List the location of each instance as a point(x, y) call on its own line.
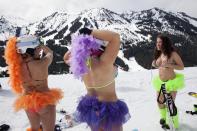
point(166, 59)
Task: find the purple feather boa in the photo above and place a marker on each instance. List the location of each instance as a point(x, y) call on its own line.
point(82, 47)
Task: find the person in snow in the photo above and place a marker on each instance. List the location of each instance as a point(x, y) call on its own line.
point(99, 108)
point(29, 80)
point(166, 59)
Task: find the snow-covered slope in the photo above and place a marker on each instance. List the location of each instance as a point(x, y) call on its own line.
point(8, 25)
point(17, 21)
point(6, 28)
point(133, 87)
point(156, 19)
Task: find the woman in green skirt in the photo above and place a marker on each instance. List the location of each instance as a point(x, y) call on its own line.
point(166, 59)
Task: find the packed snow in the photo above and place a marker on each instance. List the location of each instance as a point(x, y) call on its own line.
point(134, 87)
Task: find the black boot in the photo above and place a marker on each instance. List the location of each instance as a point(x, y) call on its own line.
point(162, 121)
point(4, 127)
point(163, 124)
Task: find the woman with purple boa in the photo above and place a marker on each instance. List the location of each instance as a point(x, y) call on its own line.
point(99, 108)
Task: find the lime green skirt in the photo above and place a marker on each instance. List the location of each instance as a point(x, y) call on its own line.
point(171, 85)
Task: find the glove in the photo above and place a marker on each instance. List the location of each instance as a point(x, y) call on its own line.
point(85, 31)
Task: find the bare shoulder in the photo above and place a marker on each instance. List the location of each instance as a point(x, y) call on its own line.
point(175, 54)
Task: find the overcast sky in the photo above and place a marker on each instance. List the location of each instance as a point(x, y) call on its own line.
point(37, 9)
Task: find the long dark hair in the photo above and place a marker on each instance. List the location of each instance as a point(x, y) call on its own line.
point(167, 48)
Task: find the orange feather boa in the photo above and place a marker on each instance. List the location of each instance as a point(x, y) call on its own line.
point(14, 60)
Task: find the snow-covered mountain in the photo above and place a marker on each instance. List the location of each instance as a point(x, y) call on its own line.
point(60, 25)
point(16, 21)
point(133, 26)
point(67, 24)
point(187, 18)
point(160, 20)
point(138, 31)
point(8, 25)
point(6, 28)
point(52, 23)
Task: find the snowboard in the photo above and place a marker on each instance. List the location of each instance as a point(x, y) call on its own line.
point(193, 112)
point(193, 94)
